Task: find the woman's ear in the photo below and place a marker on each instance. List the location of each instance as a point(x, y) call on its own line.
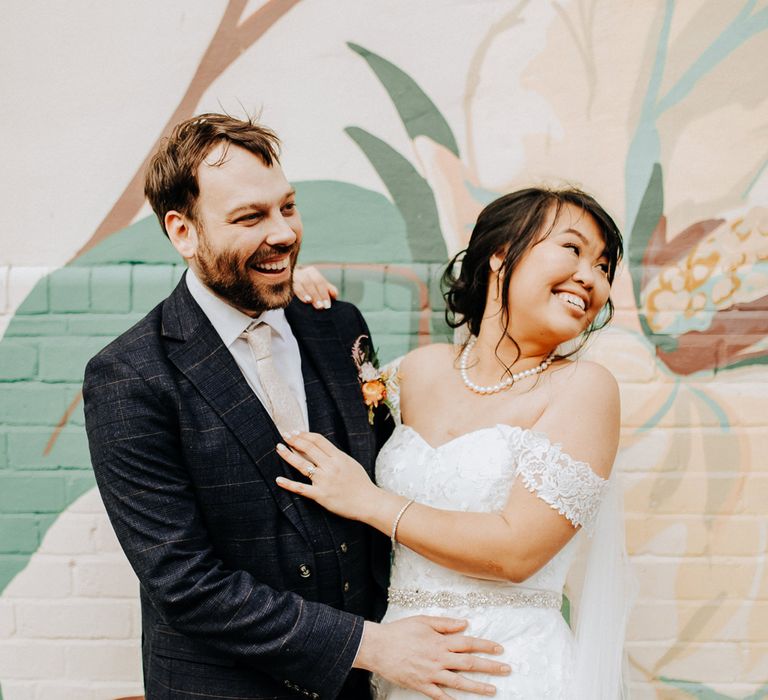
point(496, 260)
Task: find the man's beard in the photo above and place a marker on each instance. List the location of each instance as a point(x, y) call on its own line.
point(229, 277)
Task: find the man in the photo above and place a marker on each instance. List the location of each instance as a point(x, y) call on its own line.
point(246, 590)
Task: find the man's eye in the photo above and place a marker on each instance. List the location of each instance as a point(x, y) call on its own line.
point(289, 207)
point(247, 218)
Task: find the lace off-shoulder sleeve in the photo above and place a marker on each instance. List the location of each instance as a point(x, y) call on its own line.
point(392, 372)
point(569, 486)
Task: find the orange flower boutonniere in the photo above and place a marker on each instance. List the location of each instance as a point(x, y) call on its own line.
point(373, 381)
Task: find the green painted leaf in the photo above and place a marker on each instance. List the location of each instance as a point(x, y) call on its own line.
point(349, 224)
point(418, 113)
point(411, 194)
point(761, 360)
point(651, 210)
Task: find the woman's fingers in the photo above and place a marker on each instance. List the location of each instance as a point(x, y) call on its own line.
point(311, 287)
point(314, 446)
point(296, 487)
point(305, 466)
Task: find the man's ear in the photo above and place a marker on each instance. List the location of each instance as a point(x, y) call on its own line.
point(495, 262)
point(182, 234)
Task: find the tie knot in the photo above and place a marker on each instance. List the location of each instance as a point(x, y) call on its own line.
point(259, 337)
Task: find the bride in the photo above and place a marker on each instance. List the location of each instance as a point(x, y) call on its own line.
point(500, 460)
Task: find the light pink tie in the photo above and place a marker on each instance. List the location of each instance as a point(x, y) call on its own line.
point(282, 404)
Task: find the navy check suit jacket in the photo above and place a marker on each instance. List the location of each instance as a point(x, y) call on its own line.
point(247, 591)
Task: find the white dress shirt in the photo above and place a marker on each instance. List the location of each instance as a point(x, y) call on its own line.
point(229, 323)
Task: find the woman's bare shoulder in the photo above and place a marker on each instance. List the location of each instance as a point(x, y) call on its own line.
point(428, 359)
point(574, 377)
point(584, 413)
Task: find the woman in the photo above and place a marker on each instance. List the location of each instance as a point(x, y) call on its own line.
point(502, 453)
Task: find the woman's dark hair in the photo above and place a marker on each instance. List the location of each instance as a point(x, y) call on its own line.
point(513, 223)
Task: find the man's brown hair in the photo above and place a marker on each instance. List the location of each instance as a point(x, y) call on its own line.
point(170, 183)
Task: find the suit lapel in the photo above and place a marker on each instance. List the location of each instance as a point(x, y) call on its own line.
point(204, 360)
point(319, 339)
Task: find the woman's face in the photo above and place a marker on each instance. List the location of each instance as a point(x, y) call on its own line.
point(561, 283)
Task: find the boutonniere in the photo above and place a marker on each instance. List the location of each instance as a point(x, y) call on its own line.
point(373, 381)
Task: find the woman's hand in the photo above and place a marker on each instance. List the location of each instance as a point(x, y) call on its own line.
point(311, 287)
point(339, 483)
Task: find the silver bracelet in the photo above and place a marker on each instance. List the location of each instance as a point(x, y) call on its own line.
point(396, 522)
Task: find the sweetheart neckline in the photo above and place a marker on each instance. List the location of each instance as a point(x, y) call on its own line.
point(472, 432)
point(536, 434)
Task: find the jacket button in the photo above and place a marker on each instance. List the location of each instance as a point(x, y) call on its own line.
point(304, 571)
point(346, 586)
point(343, 547)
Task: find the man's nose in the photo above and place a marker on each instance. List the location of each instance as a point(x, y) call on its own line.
point(280, 232)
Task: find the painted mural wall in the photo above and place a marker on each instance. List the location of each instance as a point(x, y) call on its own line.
point(400, 121)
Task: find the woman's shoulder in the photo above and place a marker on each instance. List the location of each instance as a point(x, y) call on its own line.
point(577, 376)
point(584, 413)
point(427, 359)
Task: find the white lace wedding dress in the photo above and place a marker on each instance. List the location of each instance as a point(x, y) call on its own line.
point(474, 472)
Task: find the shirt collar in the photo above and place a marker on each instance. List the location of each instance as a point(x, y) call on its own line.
point(228, 321)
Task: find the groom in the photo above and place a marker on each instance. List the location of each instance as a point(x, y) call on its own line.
point(246, 590)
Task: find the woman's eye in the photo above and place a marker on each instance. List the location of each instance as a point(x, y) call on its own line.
point(575, 248)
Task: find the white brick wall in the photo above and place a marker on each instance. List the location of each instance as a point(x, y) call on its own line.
point(70, 621)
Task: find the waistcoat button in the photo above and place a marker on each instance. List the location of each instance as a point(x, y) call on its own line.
point(304, 571)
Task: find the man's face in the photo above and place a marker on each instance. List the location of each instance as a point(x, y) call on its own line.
point(248, 230)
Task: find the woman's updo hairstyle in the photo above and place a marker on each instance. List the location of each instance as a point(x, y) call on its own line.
point(513, 223)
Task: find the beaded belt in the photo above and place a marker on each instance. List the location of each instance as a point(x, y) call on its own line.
point(414, 598)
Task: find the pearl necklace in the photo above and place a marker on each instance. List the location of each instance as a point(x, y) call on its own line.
point(504, 383)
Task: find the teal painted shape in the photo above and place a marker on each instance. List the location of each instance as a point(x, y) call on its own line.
point(59, 330)
point(648, 216)
point(565, 609)
point(345, 223)
point(658, 415)
point(418, 113)
point(645, 147)
point(717, 411)
point(743, 26)
point(703, 692)
point(142, 242)
point(411, 194)
point(762, 360)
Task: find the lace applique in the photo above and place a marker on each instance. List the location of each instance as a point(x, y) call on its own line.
point(569, 486)
point(392, 369)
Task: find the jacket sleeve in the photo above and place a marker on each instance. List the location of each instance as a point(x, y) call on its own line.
point(136, 454)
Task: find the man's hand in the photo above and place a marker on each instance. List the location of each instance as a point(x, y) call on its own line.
point(426, 654)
